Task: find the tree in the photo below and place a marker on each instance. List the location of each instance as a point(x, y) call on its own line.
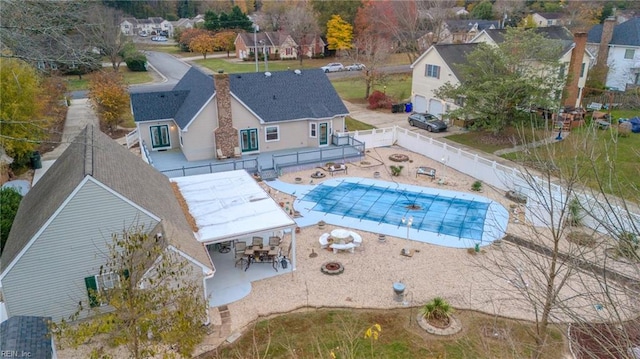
point(272, 14)
point(326, 9)
point(202, 44)
point(104, 32)
point(581, 15)
point(109, 97)
point(9, 202)
point(483, 10)
point(156, 301)
point(225, 41)
point(22, 121)
point(372, 46)
point(301, 25)
point(212, 21)
point(339, 34)
point(46, 32)
point(187, 35)
point(498, 81)
point(236, 20)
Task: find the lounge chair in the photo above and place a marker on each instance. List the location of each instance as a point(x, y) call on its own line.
point(220, 155)
point(357, 239)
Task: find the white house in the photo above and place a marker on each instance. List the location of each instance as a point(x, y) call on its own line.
point(544, 19)
point(618, 45)
point(436, 66)
point(151, 26)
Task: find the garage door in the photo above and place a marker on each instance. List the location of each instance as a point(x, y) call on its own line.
point(435, 107)
point(419, 103)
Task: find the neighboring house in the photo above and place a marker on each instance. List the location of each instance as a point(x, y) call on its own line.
point(462, 31)
point(152, 26)
point(544, 19)
point(618, 46)
point(27, 337)
point(63, 227)
point(253, 112)
point(434, 68)
point(437, 66)
point(186, 23)
point(279, 43)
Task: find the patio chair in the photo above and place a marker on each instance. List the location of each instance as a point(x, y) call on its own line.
point(324, 240)
point(220, 155)
point(274, 241)
point(357, 239)
point(257, 241)
point(239, 253)
point(237, 152)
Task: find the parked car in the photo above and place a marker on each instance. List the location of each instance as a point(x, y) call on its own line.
point(333, 67)
point(143, 33)
point(355, 67)
point(427, 121)
point(159, 38)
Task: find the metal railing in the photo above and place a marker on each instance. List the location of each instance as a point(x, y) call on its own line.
point(250, 165)
point(346, 149)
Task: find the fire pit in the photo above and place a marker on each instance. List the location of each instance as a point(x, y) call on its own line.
point(399, 157)
point(332, 268)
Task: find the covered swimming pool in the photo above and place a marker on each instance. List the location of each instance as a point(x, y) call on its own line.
point(437, 216)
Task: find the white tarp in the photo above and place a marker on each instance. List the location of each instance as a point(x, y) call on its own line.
point(229, 205)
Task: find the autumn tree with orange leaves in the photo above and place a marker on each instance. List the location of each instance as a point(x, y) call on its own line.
point(202, 44)
point(225, 40)
point(187, 35)
point(339, 34)
point(109, 98)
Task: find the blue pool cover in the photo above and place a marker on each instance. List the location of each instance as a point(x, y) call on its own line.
point(438, 216)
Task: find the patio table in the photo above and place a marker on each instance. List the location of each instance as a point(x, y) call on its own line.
point(340, 235)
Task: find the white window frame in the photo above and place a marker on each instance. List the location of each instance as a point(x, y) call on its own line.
point(266, 133)
point(629, 51)
point(313, 130)
point(107, 281)
point(428, 71)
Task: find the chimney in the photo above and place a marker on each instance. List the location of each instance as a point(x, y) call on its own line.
point(605, 39)
point(575, 67)
point(225, 135)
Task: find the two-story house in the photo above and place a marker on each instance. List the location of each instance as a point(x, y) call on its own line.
point(544, 19)
point(438, 65)
point(617, 46)
point(151, 26)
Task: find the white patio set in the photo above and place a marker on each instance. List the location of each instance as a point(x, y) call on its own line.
point(340, 239)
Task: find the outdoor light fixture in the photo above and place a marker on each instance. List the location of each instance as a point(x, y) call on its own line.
point(408, 222)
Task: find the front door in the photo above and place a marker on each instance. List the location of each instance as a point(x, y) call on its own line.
point(160, 137)
point(249, 140)
point(324, 133)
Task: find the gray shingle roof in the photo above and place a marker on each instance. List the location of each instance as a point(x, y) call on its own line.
point(285, 95)
point(458, 25)
point(25, 334)
point(182, 103)
point(455, 54)
point(94, 154)
point(625, 34)
point(550, 32)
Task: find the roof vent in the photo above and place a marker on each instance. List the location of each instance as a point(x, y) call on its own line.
point(297, 72)
point(267, 74)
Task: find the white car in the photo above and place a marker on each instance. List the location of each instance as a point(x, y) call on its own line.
point(333, 67)
point(355, 67)
point(159, 38)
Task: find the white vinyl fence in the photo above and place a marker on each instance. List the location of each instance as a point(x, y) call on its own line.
point(541, 197)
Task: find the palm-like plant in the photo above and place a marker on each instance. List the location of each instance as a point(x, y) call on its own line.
point(437, 309)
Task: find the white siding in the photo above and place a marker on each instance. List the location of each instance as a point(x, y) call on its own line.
point(620, 69)
point(48, 280)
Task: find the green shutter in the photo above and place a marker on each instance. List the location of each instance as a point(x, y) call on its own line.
point(92, 290)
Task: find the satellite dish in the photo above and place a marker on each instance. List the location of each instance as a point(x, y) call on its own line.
point(297, 72)
point(267, 74)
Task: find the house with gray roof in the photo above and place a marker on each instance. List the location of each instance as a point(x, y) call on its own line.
point(277, 43)
point(65, 223)
point(618, 46)
point(26, 337)
point(462, 31)
point(544, 19)
point(226, 115)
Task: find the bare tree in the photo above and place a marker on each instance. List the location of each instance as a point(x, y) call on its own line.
point(103, 32)
point(555, 260)
point(44, 31)
point(301, 25)
point(272, 15)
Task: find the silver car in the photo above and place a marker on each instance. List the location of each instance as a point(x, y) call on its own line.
point(427, 121)
point(333, 67)
point(355, 67)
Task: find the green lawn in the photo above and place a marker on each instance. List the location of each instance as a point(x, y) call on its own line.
point(398, 87)
point(355, 125)
point(75, 83)
point(316, 334)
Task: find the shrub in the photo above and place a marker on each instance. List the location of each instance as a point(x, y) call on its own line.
point(379, 100)
point(628, 245)
point(437, 308)
point(476, 186)
point(136, 61)
point(395, 170)
point(9, 201)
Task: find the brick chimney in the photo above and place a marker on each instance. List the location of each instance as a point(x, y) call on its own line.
point(605, 39)
point(226, 136)
point(575, 67)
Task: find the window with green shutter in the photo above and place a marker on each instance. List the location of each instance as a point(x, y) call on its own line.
point(92, 290)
